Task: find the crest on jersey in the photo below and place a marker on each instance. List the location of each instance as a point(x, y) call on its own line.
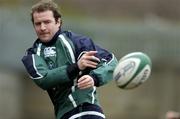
point(50, 51)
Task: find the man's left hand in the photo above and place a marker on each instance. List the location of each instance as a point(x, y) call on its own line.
point(85, 81)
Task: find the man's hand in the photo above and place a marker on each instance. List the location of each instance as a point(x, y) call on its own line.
point(88, 59)
point(85, 81)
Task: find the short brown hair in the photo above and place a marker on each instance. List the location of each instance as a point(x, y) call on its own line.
point(45, 5)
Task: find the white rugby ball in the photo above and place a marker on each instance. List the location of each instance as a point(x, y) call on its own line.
point(132, 70)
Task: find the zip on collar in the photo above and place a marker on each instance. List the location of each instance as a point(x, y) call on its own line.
point(53, 40)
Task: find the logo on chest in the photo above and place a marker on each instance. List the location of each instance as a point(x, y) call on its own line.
point(50, 51)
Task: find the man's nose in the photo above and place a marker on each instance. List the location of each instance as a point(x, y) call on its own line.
point(43, 26)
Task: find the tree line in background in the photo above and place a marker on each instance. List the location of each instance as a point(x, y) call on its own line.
point(168, 9)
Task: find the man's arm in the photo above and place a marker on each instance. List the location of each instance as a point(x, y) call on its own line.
point(104, 73)
point(104, 70)
point(41, 75)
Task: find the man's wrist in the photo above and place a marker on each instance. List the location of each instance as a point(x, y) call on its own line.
point(73, 71)
point(96, 81)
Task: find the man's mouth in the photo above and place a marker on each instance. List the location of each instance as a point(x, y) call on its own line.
point(42, 34)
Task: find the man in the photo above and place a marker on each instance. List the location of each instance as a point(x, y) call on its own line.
point(67, 65)
point(172, 115)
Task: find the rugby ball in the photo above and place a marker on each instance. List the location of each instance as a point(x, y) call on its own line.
point(132, 70)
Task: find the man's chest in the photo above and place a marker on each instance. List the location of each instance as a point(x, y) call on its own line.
point(55, 56)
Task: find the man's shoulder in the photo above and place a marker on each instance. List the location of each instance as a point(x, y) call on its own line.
point(31, 49)
point(75, 36)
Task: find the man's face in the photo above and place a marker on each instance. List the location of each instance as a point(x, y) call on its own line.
point(45, 25)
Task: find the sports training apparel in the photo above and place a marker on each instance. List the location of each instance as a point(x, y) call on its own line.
point(53, 67)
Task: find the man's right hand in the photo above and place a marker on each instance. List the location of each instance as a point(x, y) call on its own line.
point(88, 60)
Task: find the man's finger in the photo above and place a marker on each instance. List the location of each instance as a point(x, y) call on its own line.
point(85, 82)
point(91, 53)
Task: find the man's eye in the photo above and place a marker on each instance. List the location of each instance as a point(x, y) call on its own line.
point(47, 22)
point(37, 24)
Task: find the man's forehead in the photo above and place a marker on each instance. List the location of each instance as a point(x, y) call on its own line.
point(43, 15)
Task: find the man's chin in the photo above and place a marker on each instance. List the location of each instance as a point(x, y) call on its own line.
point(44, 39)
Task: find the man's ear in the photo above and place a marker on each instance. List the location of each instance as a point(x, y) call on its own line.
point(59, 21)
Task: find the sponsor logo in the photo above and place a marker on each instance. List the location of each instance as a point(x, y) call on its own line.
point(50, 51)
point(145, 74)
point(127, 68)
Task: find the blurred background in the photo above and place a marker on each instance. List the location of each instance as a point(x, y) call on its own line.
point(121, 26)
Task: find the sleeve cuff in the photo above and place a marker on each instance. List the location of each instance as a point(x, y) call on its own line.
point(96, 81)
point(73, 71)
